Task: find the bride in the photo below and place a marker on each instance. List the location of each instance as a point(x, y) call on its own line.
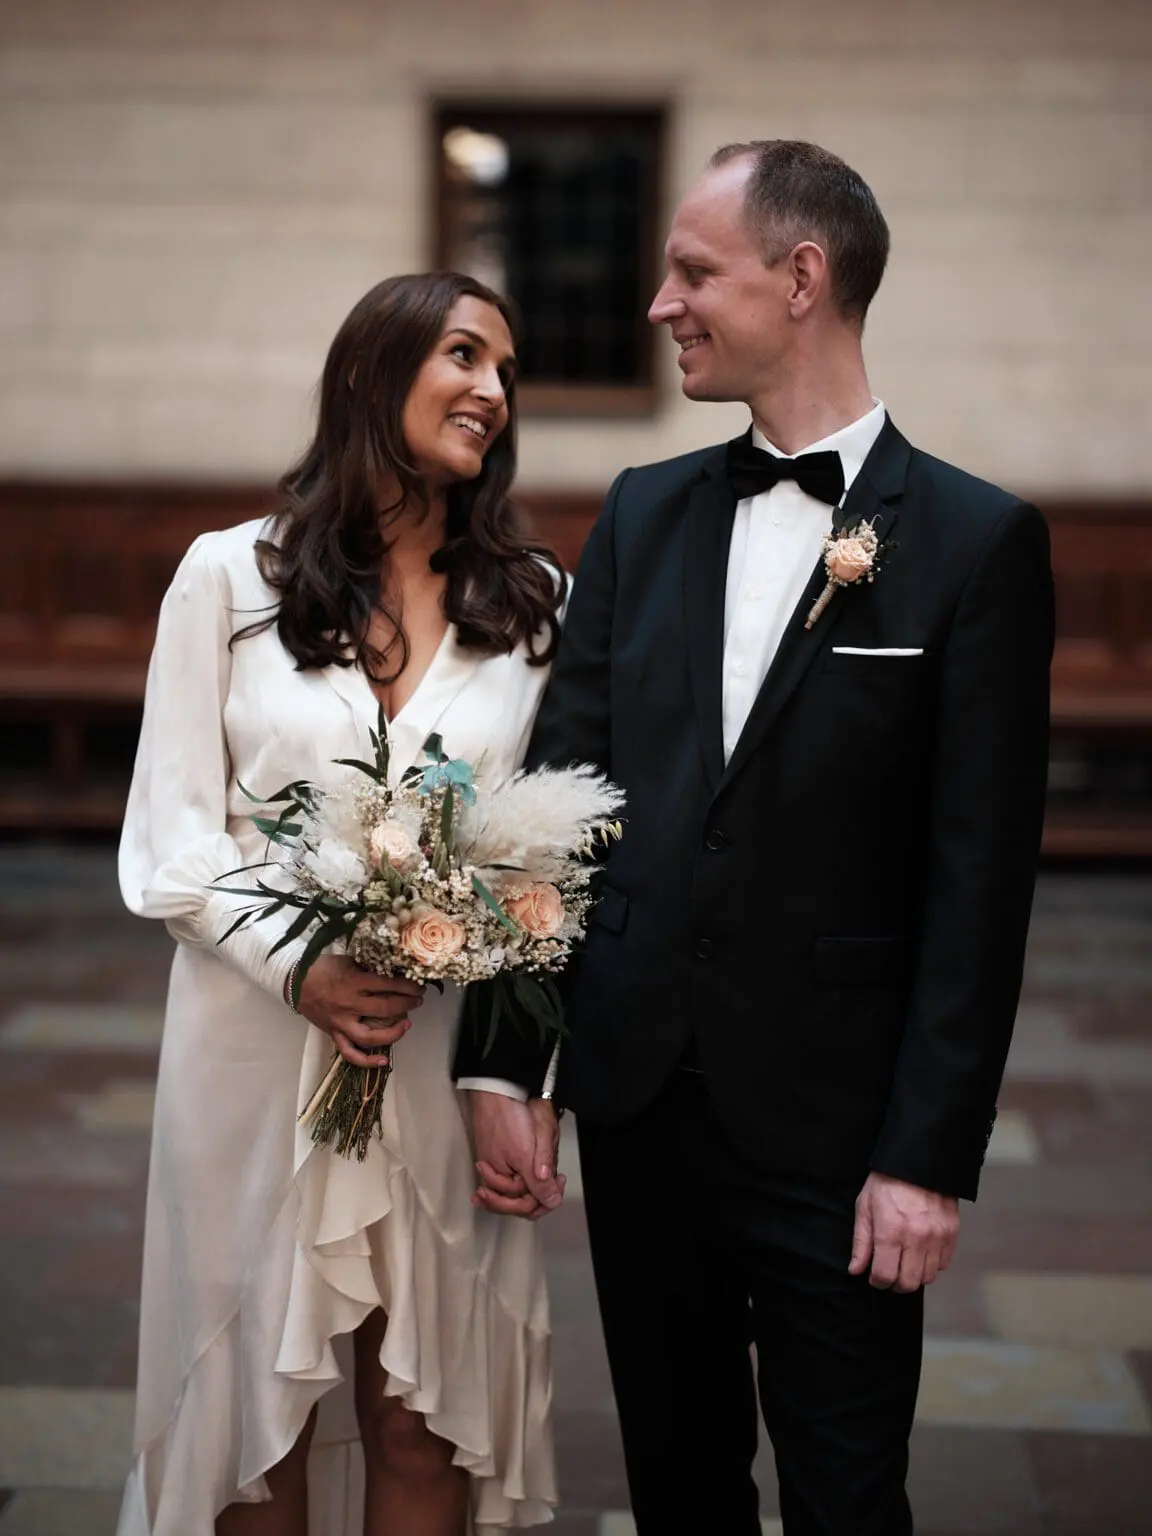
point(326, 1345)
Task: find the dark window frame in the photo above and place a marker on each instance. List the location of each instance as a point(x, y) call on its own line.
point(495, 115)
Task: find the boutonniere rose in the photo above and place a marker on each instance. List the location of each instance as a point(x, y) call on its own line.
point(850, 556)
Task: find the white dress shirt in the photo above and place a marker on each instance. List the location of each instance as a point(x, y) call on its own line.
point(776, 540)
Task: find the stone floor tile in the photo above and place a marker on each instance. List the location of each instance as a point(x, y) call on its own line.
point(1030, 1386)
point(575, 1522)
point(121, 1105)
point(95, 1269)
point(1003, 1234)
point(1092, 1311)
point(1045, 1045)
point(26, 1213)
point(1119, 1191)
point(954, 1305)
point(971, 1480)
point(1120, 1115)
point(50, 1340)
point(82, 1026)
point(590, 1460)
point(1093, 1485)
point(1140, 1364)
point(1014, 1140)
point(41, 1155)
point(620, 1523)
point(61, 1512)
point(53, 1438)
point(565, 1230)
point(1113, 1015)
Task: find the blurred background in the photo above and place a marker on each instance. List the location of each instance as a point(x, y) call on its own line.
point(193, 193)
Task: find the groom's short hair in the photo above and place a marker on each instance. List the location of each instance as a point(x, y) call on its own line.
point(798, 191)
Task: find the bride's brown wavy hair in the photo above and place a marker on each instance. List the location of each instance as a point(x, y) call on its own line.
point(327, 547)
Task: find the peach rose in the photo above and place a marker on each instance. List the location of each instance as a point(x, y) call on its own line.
point(849, 559)
point(432, 938)
point(392, 840)
point(539, 910)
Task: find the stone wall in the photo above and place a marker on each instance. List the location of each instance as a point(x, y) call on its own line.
point(193, 193)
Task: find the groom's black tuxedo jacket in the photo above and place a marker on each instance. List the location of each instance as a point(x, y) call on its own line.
point(837, 916)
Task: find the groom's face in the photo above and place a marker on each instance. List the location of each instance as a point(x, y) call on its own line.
point(726, 310)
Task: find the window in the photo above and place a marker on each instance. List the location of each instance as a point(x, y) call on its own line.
point(557, 208)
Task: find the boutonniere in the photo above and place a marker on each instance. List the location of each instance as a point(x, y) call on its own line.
point(851, 555)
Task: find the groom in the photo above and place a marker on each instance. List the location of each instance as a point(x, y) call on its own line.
point(790, 1021)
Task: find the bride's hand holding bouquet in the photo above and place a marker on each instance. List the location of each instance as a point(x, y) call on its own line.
point(363, 1013)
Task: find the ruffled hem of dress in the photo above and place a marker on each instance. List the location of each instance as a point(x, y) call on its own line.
point(467, 1344)
point(459, 1349)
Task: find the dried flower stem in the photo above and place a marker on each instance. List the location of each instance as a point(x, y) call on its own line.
point(821, 603)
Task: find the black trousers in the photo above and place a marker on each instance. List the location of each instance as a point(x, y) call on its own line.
point(698, 1256)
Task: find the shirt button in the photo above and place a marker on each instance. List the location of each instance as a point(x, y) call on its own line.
point(740, 669)
point(705, 949)
point(777, 519)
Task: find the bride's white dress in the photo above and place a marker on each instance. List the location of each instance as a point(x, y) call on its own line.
point(262, 1251)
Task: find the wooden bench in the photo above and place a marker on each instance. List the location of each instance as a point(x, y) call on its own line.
point(85, 566)
point(1102, 680)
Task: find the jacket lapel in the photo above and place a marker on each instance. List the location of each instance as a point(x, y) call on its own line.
point(708, 533)
point(873, 498)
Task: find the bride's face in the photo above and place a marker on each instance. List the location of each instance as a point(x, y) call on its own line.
point(457, 406)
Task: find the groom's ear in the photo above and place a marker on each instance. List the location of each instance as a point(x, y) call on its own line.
point(808, 278)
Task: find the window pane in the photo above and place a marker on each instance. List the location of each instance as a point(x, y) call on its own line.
point(556, 209)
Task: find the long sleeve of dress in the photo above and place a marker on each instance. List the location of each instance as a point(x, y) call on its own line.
point(175, 841)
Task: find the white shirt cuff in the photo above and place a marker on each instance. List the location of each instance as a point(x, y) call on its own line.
point(494, 1085)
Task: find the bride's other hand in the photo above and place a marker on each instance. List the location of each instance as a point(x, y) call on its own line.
point(361, 1011)
point(516, 1147)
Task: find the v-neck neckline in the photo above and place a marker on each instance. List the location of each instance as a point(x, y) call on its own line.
point(447, 674)
point(391, 720)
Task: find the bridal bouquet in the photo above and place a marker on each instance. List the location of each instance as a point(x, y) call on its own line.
point(439, 879)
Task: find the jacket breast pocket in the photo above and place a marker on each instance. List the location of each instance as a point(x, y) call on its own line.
point(896, 669)
point(610, 911)
point(861, 962)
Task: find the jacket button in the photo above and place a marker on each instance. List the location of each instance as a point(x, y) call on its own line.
point(715, 840)
point(705, 949)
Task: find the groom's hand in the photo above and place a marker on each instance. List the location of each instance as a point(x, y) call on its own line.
point(906, 1234)
point(516, 1151)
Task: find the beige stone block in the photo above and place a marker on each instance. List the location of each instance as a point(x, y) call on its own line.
point(1030, 1386)
point(52, 1437)
point(227, 429)
point(175, 149)
point(1033, 423)
point(1089, 1311)
point(58, 426)
point(23, 310)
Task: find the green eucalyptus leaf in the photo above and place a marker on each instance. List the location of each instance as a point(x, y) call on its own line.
point(490, 901)
point(358, 763)
point(241, 922)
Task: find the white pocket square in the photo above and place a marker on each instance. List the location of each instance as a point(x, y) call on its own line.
point(860, 650)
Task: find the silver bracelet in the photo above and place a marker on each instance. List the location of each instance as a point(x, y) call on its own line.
point(290, 986)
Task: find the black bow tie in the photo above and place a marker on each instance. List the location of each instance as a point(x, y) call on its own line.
point(751, 470)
